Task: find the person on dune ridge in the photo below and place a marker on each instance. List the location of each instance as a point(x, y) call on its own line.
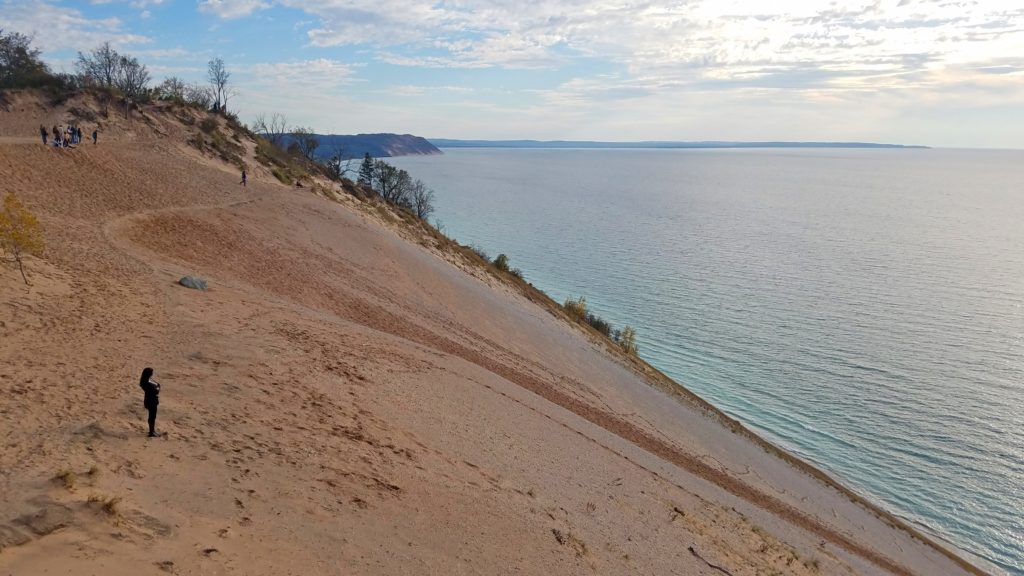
point(151, 388)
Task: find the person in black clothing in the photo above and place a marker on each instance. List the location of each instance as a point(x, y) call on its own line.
point(152, 399)
point(243, 179)
point(94, 134)
point(43, 133)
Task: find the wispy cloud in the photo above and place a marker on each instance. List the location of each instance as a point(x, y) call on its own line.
point(232, 8)
point(60, 28)
point(743, 41)
point(169, 54)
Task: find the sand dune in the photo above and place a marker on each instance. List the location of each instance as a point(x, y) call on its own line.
point(345, 401)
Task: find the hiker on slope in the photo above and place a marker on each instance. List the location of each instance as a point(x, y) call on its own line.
point(151, 388)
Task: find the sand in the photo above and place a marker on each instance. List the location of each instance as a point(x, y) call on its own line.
point(346, 401)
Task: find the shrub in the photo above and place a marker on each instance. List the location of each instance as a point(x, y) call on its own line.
point(577, 309)
point(599, 324)
point(227, 150)
point(501, 262)
point(110, 504)
point(67, 478)
point(281, 174)
point(284, 167)
point(20, 233)
point(627, 340)
point(208, 125)
point(62, 86)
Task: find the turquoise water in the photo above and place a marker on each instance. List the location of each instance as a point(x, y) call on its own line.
point(863, 308)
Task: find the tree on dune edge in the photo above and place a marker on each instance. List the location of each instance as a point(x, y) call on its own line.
point(366, 170)
point(20, 64)
point(218, 75)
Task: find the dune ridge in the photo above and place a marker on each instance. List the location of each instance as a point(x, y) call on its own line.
point(342, 392)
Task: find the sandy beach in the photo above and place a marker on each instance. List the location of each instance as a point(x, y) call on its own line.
point(347, 399)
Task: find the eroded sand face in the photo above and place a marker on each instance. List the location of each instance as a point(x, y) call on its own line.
point(343, 401)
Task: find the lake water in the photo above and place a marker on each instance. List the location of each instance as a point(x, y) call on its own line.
point(863, 308)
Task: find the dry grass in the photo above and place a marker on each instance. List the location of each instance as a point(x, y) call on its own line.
point(68, 478)
point(110, 505)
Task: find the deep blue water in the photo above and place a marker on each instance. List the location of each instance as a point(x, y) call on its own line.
point(863, 308)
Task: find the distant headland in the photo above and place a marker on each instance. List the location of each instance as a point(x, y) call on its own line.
point(451, 143)
point(376, 145)
point(388, 145)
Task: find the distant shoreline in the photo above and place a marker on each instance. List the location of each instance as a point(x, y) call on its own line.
point(654, 144)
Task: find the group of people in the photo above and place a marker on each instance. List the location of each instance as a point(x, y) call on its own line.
point(64, 136)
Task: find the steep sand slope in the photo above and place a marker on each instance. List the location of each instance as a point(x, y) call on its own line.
point(344, 401)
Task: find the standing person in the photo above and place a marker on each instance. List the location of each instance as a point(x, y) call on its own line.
point(42, 132)
point(151, 400)
point(94, 132)
point(56, 136)
point(243, 179)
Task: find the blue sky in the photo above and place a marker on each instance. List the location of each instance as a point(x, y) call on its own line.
point(941, 73)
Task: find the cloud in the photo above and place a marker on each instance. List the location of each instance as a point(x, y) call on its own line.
point(411, 90)
point(141, 4)
point(319, 76)
point(516, 34)
point(495, 51)
point(177, 53)
point(232, 8)
point(59, 28)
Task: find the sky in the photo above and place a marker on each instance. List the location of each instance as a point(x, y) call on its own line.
point(944, 73)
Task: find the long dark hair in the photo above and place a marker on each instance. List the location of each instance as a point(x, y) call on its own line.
point(146, 373)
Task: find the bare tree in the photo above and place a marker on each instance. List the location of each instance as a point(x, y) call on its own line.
point(198, 95)
point(100, 68)
point(172, 88)
point(278, 128)
point(338, 163)
point(272, 129)
point(422, 200)
point(132, 80)
point(305, 141)
point(100, 65)
point(218, 75)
